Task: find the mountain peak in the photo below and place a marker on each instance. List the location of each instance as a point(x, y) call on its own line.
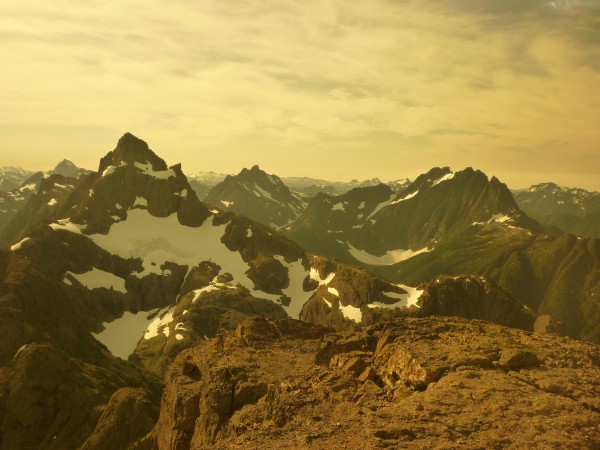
point(66, 168)
point(129, 150)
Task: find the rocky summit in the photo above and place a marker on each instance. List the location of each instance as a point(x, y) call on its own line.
point(409, 383)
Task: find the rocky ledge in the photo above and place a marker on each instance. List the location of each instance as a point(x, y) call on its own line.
point(435, 382)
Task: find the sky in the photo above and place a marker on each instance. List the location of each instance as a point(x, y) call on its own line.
point(333, 89)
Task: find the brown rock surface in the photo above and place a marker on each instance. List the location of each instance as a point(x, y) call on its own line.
point(409, 383)
point(128, 416)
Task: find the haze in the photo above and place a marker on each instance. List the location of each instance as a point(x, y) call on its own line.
point(325, 88)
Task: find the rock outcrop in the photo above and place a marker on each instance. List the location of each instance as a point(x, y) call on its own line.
point(413, 382)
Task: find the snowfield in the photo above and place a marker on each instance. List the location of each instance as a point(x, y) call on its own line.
point(388, 258)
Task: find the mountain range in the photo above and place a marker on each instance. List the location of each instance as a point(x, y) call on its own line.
point(135, 315)
point(22, 184)
point(573, 210)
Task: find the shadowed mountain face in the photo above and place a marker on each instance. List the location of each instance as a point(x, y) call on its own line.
point(573, 210)
point(259, 196)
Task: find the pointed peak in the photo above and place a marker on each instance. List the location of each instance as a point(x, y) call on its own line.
point(66, 168)
point(254, 169)
point(130, 150)
point(65, 163)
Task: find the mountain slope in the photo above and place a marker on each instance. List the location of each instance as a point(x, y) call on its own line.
point(257, 195)
point(559, 276)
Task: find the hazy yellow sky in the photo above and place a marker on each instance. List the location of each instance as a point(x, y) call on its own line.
point(335, 89)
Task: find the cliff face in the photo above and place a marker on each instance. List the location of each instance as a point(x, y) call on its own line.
point(424, 383)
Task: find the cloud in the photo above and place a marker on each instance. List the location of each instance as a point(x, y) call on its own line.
point(385, 86)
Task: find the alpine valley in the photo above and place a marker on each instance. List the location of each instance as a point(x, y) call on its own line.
point(144, 309)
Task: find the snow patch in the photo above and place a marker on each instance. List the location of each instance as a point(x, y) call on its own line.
point(500, 218)
point(159, 323)
point(407, 197)
point(140, 201)
point(338, 207)
point(351, 312)
point(405, 300)
point(67, 225)
point(296, 273)
point(382, 205)
point(160, 174)
point(446, 177)
point(333, 291)
point(314, 274)
point(18, 245)
point(28, 187)
point(52, 202)
point(97, 278)
point(267, 194)
point(214, 286)
point(23, 347)
point(226, 203)
point(111, 169)
point(390, 257)
point(122, 335)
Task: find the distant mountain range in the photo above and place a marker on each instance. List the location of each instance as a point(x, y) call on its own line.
point(23, 184)
point(573, 210)
point(203, 182)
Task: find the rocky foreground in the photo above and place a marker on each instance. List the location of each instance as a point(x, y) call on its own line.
point(433, 382)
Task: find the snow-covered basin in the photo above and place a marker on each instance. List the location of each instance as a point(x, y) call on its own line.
point(97, 278)
point(122, 335)
point(388, 258)
point(157, 240)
